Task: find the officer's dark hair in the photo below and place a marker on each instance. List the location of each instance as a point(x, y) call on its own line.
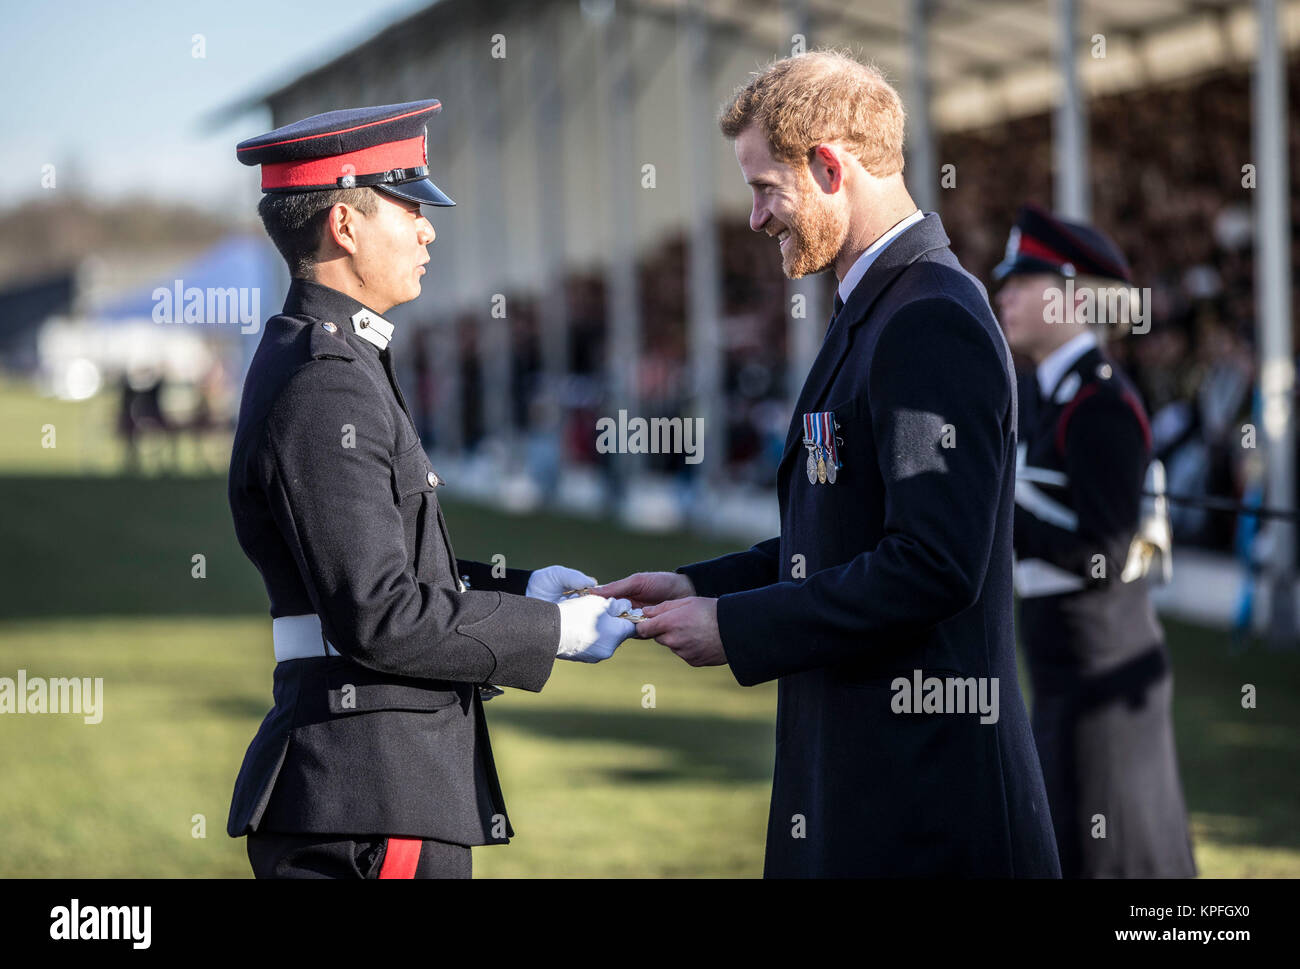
point(295, 221)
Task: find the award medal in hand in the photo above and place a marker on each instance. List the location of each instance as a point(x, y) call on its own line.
point(632, 615)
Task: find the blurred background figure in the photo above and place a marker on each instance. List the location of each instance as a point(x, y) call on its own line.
point(142, 414)
point(1102, 683)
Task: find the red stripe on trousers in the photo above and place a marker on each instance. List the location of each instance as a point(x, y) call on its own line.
point(401, 858)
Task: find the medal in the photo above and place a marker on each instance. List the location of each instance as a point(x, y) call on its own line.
point(632, 616)
point(820, 440)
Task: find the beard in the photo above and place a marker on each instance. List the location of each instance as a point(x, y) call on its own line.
point(817, 234)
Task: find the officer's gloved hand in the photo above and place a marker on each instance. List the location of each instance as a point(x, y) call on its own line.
point(590, 629)
point(553, 581)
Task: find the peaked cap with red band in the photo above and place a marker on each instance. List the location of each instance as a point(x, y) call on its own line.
point(384, 147)
point(1042, 243)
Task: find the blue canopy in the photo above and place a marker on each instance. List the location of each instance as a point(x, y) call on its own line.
point(235, 282)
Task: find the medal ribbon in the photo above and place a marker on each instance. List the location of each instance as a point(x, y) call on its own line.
point(819, 435)
point(826, 435)
point(810, 434)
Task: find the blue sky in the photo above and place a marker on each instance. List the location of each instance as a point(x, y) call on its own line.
point(110, 94)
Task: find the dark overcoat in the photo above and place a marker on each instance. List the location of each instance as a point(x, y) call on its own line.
point(902, 564)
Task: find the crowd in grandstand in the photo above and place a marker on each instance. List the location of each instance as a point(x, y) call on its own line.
point(1171, 183)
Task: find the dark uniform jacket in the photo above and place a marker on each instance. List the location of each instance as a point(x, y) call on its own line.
point(1102, 685)
point(907, 558)
point(389, 737)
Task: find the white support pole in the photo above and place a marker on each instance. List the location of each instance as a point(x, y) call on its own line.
point(445, 259)
point(1070, 123)
point(805, 304)
point(1273, 302)
point(463, 240)
point(495, 352)
point(552, 241)
point(922, 169)
point(703, 269)
point(622, 304)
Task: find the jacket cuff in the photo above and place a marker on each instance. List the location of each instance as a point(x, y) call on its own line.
point(740, 640)
point(699, 574)
point(522, 635)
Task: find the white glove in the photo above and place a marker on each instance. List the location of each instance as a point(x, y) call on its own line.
point(553, 581)
point(590, 629)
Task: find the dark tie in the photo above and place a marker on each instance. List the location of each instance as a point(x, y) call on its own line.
point(387, 359)
point(839, 305)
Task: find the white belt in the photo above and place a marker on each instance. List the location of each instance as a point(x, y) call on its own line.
point(300, 637)
point(1035, 577)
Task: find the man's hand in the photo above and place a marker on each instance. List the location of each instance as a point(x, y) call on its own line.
point(689, 627)
point(553, 581)
point(649, 588)
point(590, 629)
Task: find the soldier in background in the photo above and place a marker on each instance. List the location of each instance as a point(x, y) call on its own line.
point(1099, 667)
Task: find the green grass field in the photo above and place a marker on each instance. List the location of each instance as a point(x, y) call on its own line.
point(96, 580)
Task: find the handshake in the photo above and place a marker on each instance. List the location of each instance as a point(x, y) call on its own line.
point(596, 619)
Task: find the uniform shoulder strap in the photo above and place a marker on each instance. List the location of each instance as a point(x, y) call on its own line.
point(327, 341)
point(1105, 383)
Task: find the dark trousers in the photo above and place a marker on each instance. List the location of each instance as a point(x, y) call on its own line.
point(275, 855)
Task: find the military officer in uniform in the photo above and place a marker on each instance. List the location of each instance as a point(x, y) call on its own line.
point(1102, 685)
point(374, 760)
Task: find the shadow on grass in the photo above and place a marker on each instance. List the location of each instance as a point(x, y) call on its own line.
point(699, 747)
point(1238, 764)
point(101, 545)
point(83, 545)
point(242, 707)
point(123, 546)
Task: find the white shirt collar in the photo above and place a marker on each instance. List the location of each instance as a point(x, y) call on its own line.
point(1056, 363)
point(864, 261)
point(372, 327)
